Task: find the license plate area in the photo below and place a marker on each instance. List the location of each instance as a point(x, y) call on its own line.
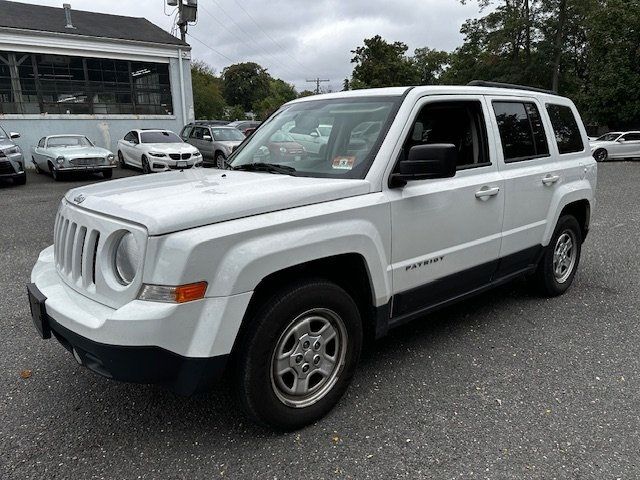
point(38, 311)
point(182, 165)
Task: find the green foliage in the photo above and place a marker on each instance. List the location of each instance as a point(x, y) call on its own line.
point(280, 93)
point(306, 93)
point(430, 65)
point(382, 64)
point(207, 92)
point(245, 84)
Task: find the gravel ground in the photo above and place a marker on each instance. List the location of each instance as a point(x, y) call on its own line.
point(506, 385)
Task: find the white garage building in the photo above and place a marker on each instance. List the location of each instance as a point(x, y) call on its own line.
point(68, 71)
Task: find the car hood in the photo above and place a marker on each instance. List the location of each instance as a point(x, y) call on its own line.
point(78, 152)
point(169, 147)
point(173, 201)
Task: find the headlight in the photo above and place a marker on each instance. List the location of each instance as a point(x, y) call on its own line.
point(111, 158)
point(283, 150)
point(197, 154)
point(60, 160)
point(157, 154)
point(127, 259)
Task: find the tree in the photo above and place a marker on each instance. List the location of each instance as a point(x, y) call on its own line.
point(382, 64)
point(430, 65)
point(306, 93)
point(245, 84)
point(280, 92)
point(208, 102)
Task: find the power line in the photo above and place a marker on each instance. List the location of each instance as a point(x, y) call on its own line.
point(210, 47)
point(252, 39)
point(318, 81)
point(268, 35)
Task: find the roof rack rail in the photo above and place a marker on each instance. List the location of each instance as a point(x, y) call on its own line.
point(483, 83)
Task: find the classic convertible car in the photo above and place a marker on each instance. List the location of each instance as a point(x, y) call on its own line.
point(60, 154)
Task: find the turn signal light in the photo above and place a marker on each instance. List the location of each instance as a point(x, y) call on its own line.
point(179, 294)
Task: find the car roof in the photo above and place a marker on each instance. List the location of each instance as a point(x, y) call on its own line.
point(146, 130)
point(66, 135)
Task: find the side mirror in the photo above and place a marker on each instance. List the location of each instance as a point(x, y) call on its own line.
point(207, 138)
point(426, 162)
point(621, 140)
point(314, 134)
point(14, 135)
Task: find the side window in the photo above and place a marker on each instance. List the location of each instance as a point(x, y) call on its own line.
point(41, 142)
point(521, 131)
point(136, 137)
point(631, 137)
point(128, 137)
point(460, 123)
point(566, 129)
point(186, 131)
point(197, 133)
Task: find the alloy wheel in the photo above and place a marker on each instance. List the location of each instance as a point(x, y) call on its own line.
point(564, 256)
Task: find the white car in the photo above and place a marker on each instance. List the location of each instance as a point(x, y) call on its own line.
point(277, 269)
point(616, 145)
point(157, 151)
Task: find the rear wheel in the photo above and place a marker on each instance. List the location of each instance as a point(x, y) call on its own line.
point(559, 264)
point(601, 155)
point(121, 161)
point(298, 355)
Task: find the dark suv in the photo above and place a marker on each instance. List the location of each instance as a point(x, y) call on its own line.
point(11, 159)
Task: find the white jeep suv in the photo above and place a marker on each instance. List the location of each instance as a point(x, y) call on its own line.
point(277, 269)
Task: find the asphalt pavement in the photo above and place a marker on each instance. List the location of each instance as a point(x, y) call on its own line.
point(506, 385)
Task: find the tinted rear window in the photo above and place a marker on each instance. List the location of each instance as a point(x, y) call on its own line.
point(521, 131)
point(565, 127)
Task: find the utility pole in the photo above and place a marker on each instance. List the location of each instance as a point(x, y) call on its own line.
point(317, 81)
point(187, 13)
point(182, 23)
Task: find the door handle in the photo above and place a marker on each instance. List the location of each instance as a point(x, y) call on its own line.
point(550, 179)
point(486, 192)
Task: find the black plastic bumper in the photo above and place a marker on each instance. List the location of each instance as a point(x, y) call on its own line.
point(138, 364)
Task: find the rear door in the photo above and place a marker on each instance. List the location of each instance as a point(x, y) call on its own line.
point(446, 232)
point(532, 174)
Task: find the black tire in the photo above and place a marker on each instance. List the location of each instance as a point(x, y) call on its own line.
point(254, 382)
point(57, 175)
point(545, 280)
point(601, 155)
point(145, 165)
point(220, 160)
point(20, 180)
point(121, 161)
point(107, 174)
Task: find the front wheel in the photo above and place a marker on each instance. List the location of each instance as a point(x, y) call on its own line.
point(121, 161)
point(146, 168)
point(560, 261)
point(221, 161)
point(601, 155)
point(298, 354)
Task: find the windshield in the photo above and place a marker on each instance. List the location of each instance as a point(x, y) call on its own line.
point(69, 141)
point(608, 137)
point(322, 138)
point(227, 134)
point(159, 137)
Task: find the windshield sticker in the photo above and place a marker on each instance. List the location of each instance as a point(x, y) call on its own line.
point(343, 163)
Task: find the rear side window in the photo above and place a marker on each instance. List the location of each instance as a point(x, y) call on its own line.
point(186, 131)
point(566, 128)
point(631, 137)
point(521, 131)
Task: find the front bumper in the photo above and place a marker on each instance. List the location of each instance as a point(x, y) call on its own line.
point(142, 342)
point(12, 166)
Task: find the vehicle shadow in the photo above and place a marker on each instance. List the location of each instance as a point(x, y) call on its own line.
point(205, 414)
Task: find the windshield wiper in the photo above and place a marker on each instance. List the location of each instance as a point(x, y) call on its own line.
point(266, 167)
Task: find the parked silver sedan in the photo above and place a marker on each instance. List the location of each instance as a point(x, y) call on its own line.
point(215, 142)
point(59, 154)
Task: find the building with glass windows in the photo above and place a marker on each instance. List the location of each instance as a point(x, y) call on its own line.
point(69, 71)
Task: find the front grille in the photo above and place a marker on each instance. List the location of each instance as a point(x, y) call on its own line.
point(6, 168)
point(75, 250)
point(177, 156)
point(86, 162)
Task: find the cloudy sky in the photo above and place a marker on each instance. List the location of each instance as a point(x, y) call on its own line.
point(299, 39)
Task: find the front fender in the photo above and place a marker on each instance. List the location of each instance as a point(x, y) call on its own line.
point(234, 256)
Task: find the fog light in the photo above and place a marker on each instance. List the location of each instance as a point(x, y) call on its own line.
point(179, 294)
